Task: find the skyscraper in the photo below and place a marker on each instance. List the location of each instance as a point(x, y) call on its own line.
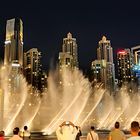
point(135, 51)
point(104, 52)
point(98, 68)
point(33, 67)
point(124, 66)
point(69, 55)
point(14, 42)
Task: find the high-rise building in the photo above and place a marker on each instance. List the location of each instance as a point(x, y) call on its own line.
point(98, 68)
point(33, 67)
point(69, 56)
point(14, 42)
point(66, 60)
point(135, 51)
point(124, 66)
point(105, 52)
point(136, 55)
point(43, 81)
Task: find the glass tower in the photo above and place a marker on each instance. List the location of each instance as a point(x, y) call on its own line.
point(14, 42)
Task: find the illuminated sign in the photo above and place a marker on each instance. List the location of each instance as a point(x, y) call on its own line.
point(123, 52)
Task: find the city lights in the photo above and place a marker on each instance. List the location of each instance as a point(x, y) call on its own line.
point(44, 99)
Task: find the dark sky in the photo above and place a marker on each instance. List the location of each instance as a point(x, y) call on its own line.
point(46, 23)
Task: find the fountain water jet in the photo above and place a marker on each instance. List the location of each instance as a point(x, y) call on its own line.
point(69, 97)
point(73, 89)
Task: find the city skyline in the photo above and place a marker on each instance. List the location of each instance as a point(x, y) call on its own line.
point(101, 38)
point(45, 25)
point(116, 50)
point(102, 68)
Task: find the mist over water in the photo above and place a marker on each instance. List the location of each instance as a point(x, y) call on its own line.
point(69, 97)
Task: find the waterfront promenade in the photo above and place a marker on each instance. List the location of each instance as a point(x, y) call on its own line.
point(39, 136)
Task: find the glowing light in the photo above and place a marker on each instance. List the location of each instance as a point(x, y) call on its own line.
point(7, 42)
point(15, 65)
point(123, 52)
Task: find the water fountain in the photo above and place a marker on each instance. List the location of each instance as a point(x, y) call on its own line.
point(69, 96)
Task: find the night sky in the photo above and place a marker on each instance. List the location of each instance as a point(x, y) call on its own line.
point(46, 23)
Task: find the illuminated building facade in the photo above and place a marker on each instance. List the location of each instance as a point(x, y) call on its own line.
point(135, 51)
point(105, 52)
point(98, 68)
point(43, 81)
point(14, 42)
point(33, 67)
point(124, 66)
point(136, 75)
point(65, 60)
point(69, 56)
point(136, 55)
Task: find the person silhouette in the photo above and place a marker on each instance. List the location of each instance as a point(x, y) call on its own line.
point(66, 131)
point(116, 134)
point(92, 135)
point(16, 134)
point(79, 134)
point(25, 134)
point(2, 135)
point(134, 131)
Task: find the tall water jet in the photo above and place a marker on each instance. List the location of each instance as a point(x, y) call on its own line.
point(17, 100)
point(66, 97)
point(69, 97)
